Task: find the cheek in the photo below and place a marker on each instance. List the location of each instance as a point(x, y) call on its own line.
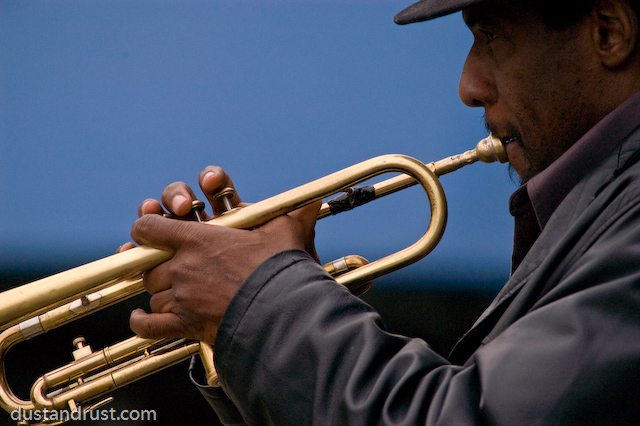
point(515, 156)
point(519, 161)
point(531, 98)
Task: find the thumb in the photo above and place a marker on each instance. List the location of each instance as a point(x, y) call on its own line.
point(307, 216)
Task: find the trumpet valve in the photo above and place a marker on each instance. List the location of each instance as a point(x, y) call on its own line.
point(197, 207)
point(225, 196)
point(82, 350)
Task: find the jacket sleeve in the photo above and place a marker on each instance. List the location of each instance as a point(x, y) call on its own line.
point(227, 413)
point(294, 348)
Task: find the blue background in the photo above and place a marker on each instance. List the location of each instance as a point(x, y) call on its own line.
point(104, 103)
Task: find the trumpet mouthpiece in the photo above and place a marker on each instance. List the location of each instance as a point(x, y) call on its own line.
point(490, 150)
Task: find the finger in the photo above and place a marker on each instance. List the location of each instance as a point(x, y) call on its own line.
point(126, 246)
point(161, 301)
point(214, 179)
point(162, 233)
point(156, 325)
point(149, 206)
point(157, 280)
point(177, 198)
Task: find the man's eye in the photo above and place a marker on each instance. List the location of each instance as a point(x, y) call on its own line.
point(489, 35)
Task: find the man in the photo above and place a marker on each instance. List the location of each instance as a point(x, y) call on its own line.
point(560, 345)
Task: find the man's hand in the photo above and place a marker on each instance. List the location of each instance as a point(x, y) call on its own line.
point(191, 291)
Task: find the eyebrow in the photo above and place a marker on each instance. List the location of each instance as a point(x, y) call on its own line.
point(473, 18)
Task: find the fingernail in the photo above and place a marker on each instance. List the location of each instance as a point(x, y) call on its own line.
point(207, 176)
point(178, 201)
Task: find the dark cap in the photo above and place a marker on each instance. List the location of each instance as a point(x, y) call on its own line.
point(429, 9)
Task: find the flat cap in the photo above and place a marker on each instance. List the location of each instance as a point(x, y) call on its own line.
point(430, 9)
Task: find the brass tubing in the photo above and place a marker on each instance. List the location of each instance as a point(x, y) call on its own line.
point(49, 302)
point(26, 301)
point(488, 150)
point(438, 203)
point(107, 357)
point(344, 264)
point(92, 303)
point(206, 356)
point(34, 298)
point(56, 318)
point(8, 400)
point(116, 379)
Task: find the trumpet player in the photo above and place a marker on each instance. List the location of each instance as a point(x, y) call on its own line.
point(559, 82)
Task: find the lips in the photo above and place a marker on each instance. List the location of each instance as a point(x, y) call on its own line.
point(508, 140)
point(508, 134)
point(509, 146)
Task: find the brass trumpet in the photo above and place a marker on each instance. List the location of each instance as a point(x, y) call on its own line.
point(42, 305)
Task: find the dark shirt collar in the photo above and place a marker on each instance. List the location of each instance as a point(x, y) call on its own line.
point(533, 203)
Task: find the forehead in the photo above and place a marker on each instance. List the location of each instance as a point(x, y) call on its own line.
point(500, 12)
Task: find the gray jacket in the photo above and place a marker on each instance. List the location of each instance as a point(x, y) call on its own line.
point(560, 344)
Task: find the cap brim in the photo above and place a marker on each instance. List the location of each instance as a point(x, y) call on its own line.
point(430, 9)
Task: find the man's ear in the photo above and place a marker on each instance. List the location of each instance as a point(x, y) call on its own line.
point(615, 31)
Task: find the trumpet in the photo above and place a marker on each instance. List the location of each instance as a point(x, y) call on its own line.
point(35, 308)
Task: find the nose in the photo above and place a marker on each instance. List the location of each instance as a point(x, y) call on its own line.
point(477, 87)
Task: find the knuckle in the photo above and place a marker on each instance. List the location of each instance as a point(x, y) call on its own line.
point(140, 227)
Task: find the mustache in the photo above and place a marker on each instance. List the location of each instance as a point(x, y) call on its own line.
point(508, 132)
